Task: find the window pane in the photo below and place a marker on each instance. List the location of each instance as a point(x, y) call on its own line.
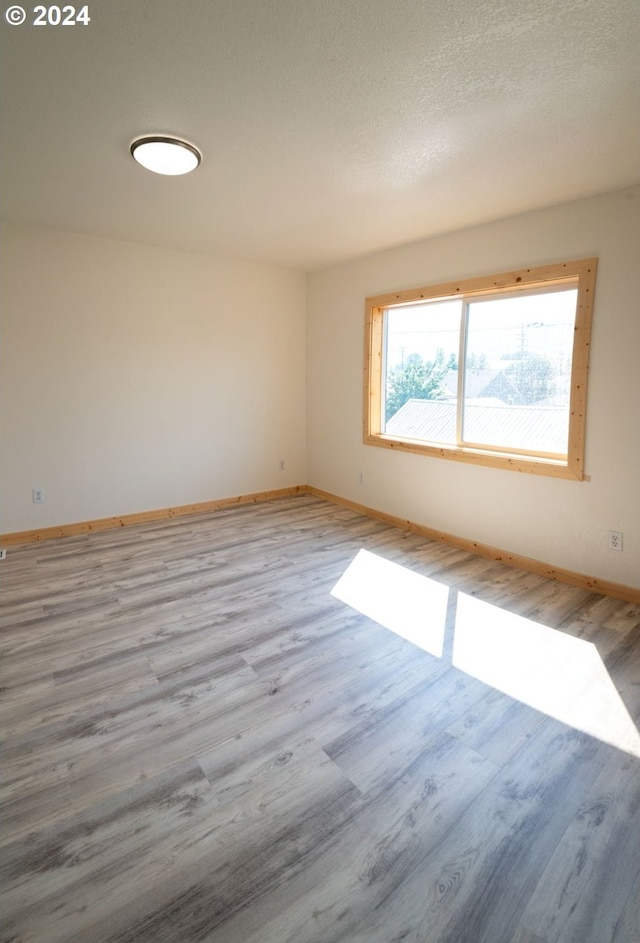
point(421, 371)
point(518, 371)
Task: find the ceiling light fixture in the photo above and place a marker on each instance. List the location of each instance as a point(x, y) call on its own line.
point(165, 155)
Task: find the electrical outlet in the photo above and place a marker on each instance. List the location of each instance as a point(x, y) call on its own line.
point(615, 540)
point(361, 478)
point(37, 495)
point(281, 464)
point(3, 554)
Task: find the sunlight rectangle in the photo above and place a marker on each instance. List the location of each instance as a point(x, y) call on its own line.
point(397, 598)
point(551, 671)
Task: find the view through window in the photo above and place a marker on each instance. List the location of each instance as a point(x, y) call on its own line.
point(491, 370)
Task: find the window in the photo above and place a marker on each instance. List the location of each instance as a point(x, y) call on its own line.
point(489, 370)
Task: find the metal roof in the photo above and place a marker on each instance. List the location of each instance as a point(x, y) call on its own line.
point(538, 428)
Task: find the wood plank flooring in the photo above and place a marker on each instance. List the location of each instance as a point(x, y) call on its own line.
point(201, 743)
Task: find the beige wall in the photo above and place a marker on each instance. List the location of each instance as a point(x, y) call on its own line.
point(135, 378)
point(565, 523)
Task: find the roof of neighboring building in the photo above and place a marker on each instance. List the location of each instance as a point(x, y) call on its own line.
point(539, 428)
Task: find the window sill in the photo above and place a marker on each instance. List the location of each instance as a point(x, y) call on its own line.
point(554, 468)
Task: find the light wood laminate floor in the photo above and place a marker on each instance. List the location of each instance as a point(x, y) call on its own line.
point(210, 733)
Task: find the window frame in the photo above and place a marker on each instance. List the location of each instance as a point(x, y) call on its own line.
point(580, 274)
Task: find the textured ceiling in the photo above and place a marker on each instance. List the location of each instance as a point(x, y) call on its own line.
point(330, 128)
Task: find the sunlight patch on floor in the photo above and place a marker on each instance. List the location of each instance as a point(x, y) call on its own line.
point(558, 674)
point(549, 670)
point(409, 604)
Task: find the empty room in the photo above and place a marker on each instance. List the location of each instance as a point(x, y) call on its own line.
point(320, 472)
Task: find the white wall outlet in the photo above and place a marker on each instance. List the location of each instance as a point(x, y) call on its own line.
point(37, 495)
point(281, 464)
point(615, 540)
point(3, 554)
point(361, 478)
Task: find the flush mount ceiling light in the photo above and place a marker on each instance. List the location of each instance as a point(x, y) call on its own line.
point(165, 155)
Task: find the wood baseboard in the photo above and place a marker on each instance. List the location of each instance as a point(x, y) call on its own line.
point(592, 583)
point(143, 517)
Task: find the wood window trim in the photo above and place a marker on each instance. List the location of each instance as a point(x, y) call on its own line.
point(584, 270)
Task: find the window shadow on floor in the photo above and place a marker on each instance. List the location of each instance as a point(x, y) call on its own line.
point(543, 667)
